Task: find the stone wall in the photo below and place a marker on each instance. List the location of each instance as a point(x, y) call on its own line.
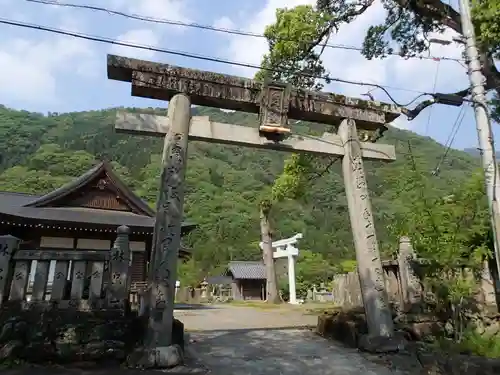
point(348, 326)
point(402, 282)
point(190, 296)
point(66, 335)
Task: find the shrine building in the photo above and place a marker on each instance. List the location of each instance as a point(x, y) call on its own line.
point(84, 214)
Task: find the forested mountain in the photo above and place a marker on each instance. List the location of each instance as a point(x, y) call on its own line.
point(475, 152)
point(224, 184)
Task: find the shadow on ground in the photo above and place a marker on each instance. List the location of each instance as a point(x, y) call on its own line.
point(192, 366)
point(232, 331)
point(284, 350)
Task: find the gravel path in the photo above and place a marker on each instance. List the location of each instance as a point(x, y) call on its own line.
point(251, 341)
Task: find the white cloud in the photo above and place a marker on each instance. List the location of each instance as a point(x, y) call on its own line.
point(174, 10)
point(32, 66)
point(151, 36)
point(413, 74)
point(224, 23)
point(249, 49)
point(138, 36)
point(171, 9)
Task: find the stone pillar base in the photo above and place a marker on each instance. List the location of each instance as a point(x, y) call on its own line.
point(383, 344)
point(158, 358)
point(161, 356)
point(178, 334)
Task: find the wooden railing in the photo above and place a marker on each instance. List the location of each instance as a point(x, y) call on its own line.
point(66, 278)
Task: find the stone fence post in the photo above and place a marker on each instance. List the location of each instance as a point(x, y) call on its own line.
point(8, 245)
point(118, 292)
point(487, 285)
point(409, 281)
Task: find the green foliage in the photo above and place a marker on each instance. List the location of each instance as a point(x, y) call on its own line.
point(292, 182)
point(47, 169)
point(406, 29)
point(347, 266)
point(485, 345)
point(450, 234)
point(311, 269)
point(189, 273)
point(450, 231)
point(403, 27)
point(486, 16)
point(224, 183)
point(294, 33)
point(408, 25)
point(300, 26)
point(60, 162)
point(472, 342)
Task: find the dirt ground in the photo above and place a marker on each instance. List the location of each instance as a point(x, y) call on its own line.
point(243, 340)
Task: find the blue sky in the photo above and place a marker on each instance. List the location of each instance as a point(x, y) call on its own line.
point(47, 72)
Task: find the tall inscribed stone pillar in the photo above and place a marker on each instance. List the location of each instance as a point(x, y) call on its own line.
point(371, 276)
point(410, 284)
point(119, 268)
point(167, 231)
point(8, 246)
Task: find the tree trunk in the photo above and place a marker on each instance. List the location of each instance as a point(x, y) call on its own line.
point(267, 249)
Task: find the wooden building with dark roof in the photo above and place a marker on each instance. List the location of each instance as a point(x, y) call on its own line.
point(83, 214)
point(248, 280)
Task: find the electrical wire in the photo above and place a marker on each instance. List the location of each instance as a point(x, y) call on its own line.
point(218, 29)
point(320, 139)
point(450, 139)
point(99, 39)
point(429, 116)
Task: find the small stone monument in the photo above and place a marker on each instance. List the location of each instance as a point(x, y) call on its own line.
point(204, 287)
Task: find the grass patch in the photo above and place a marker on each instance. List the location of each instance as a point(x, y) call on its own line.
point(474, 343)
point(307, 309)
point(319, 308)
point(256, 304)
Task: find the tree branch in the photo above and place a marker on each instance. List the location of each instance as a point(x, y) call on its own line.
point(490, 72)
point(449, 17)
point(435, 10)
point(324, 171)
point(353, 10)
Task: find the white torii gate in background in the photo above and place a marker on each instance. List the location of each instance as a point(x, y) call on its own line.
point(285, 249)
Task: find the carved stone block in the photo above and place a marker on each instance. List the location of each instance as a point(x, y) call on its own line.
point(274, 103)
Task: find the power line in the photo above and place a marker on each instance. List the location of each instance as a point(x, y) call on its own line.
point(99, 39)
point(219, 29)
point(450, 139)
point(436, 76)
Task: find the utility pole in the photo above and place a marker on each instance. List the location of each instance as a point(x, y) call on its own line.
point(484, 131)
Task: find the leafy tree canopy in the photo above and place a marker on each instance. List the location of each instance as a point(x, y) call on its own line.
point(406, 31)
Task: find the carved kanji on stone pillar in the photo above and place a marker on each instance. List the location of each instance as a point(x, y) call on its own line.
point(371, 275)
point(8, 245)
point(119, 267)
point(167, 232)
point(410, 283)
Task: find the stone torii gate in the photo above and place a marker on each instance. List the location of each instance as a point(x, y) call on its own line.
point(275, 103)
point(285, 248)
